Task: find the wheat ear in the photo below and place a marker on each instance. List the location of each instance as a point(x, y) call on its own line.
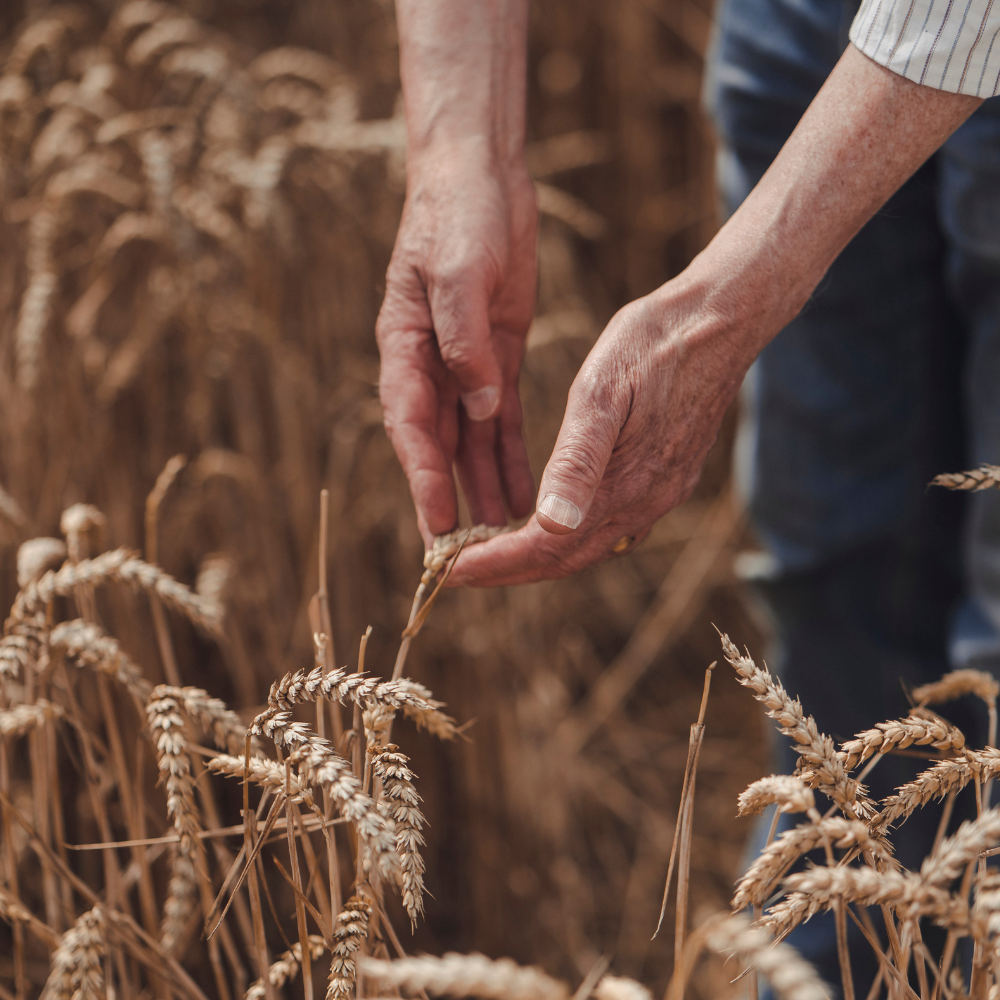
point(620, 988)
point(957, 684)
point(810, 892)
point(755, 886)
point(817, 750)
point(790, 976)
point(20, 646)
point(307, 686)
point(318, 764)
point(77, 964)
point(945, 776)
point(901, 733)
point(167, 727)
point(789, 793)
point(466, 976)
point(348, 936)
point(86, 645)
point(403, 808)
point(19, 720)
point(124, 567)
point(286, 967)
point(984, 478)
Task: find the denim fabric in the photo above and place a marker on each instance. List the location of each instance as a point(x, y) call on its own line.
point(889, 375)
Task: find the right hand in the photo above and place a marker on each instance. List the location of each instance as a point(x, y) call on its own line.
point(460, 295)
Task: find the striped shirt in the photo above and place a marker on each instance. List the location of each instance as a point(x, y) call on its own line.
point(951, 45)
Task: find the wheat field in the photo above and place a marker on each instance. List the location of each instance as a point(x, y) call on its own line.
point(199, 201)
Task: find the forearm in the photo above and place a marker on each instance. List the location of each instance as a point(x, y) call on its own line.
point(865, 133)
point(463, 68)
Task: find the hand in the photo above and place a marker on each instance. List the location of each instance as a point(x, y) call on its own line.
point(460, 294)
point(642, 415)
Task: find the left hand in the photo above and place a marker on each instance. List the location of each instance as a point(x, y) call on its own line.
point(642, 414)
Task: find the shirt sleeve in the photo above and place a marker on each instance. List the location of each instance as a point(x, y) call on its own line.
point(951, 45)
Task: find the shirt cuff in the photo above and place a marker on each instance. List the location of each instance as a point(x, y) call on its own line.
point(951, 45)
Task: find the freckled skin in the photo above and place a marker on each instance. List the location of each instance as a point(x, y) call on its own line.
point(647, 404)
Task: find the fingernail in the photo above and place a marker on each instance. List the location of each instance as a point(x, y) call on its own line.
point(563, 512)
point(481, 404)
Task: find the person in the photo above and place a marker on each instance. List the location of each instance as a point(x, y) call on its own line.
point(874, 367)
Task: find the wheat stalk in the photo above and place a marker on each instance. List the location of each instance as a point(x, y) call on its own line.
point(466, 976)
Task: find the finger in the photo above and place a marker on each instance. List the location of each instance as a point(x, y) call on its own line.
point(413, 400)
point(476, 462)
point(532, 554)
point(512, 456)
point(586, 440)
point(460, 308)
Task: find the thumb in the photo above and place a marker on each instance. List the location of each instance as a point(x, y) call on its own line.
point(460, 311)
point(575, 470)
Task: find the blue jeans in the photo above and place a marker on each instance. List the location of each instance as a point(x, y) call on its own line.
point(889, 375)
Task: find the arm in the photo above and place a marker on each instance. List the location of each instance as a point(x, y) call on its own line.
point(461, 284)
point(647, 404)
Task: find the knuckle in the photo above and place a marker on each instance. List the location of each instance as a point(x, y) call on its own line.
point(578, 463)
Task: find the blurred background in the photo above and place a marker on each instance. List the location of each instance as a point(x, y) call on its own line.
point(199, 202)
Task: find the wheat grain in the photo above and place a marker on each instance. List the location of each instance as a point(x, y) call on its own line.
point(403, 809)
point(22, 719)
point(816, 749)
point(466, 976)
point(286, 967)
point(118, 566)
point(984, 478)
point(348, 936)
point(620, 988)
point(87, 645)
point(790, 976)
point(755, 885)
point(788, 792)
point(77, 964)
point(901, 733)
